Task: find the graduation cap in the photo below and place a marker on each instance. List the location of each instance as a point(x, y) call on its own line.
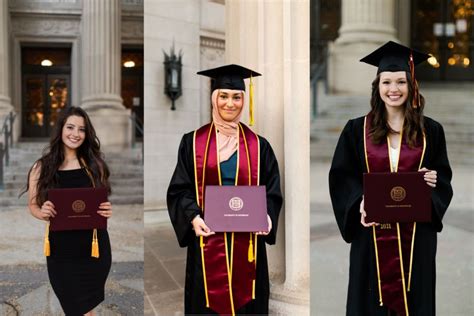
point(395, 57)
point(232, 77)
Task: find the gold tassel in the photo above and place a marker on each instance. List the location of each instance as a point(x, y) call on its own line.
point(46, 246)
point(250, 255)
point(95, 245)
point(251, 122)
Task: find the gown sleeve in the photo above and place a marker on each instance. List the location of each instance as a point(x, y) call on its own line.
point(181, 195)
point(345, 182)
point(270, 177)
point(443, 192)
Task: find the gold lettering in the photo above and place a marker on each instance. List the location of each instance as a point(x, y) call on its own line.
point(386, 226)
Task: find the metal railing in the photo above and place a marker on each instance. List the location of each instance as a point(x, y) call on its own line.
point(318, 72)
point(7, 131)
point(137, 125)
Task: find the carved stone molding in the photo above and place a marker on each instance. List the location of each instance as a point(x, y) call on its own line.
point(212, 43)
point(132, 2)
point(132, 29)
point(45, 26)
point(49, 5)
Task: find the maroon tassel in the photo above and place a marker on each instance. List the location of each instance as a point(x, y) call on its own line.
point(416, 95)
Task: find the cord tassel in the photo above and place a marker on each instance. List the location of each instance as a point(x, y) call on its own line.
point(416, 94)
point(46, 246)
point(95, 245)
point(251, 122)
point(250, 254)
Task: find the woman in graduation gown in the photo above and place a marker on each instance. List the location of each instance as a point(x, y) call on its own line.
point(226, 273)
point(392, 265)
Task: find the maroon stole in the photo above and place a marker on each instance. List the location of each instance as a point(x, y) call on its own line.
point(229, 281)
point(393, 242)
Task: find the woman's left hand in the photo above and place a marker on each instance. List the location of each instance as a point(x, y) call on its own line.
point(269, 220)
point(430, 177)
point(105, 209)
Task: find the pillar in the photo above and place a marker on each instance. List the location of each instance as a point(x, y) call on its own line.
point(271, 37)
point(366, 24)
point(5, 101)
point(101, 78)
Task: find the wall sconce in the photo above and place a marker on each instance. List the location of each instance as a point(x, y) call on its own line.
point(173, 75)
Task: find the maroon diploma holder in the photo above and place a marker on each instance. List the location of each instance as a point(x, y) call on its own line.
point(236, 208)
point(403, 197)
point(77, 208)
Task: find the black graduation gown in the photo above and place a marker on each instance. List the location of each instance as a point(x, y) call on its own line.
point(345, 185)
point(182, 208)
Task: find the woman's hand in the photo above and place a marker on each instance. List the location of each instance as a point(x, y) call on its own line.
point(269, 220)
point(363, 215)
point(47, 211)
point(200, 227)
point(430, 177)
point(105, 209)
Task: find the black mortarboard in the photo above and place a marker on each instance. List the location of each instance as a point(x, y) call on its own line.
point(394, 57)
point(229, 77)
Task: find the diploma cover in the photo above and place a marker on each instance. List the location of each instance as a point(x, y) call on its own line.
point(77, 208)
point(236, 208)
point(396, 197)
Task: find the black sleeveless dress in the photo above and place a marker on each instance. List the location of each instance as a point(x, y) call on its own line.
point(78, 280)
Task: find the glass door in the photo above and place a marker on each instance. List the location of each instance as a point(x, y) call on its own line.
point(44, 98)
point(444, 29)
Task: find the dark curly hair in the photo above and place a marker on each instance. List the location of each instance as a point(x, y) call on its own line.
point(89, 155)
point(413, 126)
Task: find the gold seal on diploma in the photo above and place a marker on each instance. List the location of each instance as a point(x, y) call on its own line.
point(398, 194)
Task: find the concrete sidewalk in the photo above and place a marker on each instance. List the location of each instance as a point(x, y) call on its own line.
point(455, 264)
point(24, 284)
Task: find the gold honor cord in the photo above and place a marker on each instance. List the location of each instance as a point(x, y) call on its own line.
point(195, 170)
point(229, 274)
point(414, 224)
point(373, 227)
point(229, 264)
point(252, 254)
point(401, 267)
point(201, 238)
point(395, 169)
point(95, 242)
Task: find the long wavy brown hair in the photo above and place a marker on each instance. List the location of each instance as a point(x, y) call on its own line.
point(413, 125)
point(89, 155)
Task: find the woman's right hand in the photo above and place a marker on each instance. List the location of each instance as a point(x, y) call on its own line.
point(47, 210)
point(200, 227)
point(363, 215)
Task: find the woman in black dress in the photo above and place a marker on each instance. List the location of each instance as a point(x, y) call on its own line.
point(392, 265)
point(73, 160)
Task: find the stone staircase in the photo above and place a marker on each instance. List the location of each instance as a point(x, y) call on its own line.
point(451, 104)
point(126, 170)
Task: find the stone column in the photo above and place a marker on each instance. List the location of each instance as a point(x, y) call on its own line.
point(366, 24)
point(271, 37)
point(5, 101)
point(101, 77)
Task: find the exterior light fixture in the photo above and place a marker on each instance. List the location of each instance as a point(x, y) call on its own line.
point(173, 67)
point(46, 63)
point(129, 64)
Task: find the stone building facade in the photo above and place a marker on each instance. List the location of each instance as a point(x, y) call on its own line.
point(86, 38)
